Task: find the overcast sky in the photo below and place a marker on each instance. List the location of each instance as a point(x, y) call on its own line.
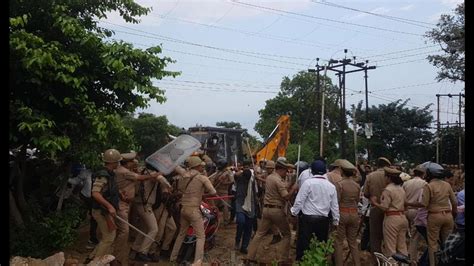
point(233, 54)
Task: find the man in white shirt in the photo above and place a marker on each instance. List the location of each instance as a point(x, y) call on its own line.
point(316, 198)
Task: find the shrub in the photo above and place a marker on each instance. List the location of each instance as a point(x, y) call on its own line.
point(44, 235)
point(317, 253)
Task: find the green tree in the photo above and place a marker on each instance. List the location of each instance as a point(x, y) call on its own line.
point(150, 132)
point(449, 145)
point(399, 133)
point(70, 84)
point(299, 97)
point(232, 124)
point(450, 35)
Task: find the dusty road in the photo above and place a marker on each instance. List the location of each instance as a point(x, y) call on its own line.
point(221, 254)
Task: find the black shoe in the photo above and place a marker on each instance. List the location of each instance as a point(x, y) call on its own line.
point(94, 241)
point(142, 257)
point(165, 254)
point(153, 257)
point(276, 239)
point(243, 251)
point(87, 260)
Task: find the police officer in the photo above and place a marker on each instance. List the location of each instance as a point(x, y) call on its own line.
point(437, 196)
point(144, 200)
point(195, 183)
point(374, 185)
point(221, 181)
point(276, 195)
point(395, 223)
point(335, 175)
point(348, 194)
point(105, 196)
point(413, 188)
point(126, 182)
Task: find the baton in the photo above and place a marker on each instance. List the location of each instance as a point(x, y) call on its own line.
point(136, 229)
point(217, 197)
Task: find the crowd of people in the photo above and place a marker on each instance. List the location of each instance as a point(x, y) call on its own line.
point(395, 207)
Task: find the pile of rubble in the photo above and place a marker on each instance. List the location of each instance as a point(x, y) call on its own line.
point(58, 259)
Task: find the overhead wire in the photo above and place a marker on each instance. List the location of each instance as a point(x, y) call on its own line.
point(325, 19)
point(398, 19)
point(166, 38)
point(218, 58)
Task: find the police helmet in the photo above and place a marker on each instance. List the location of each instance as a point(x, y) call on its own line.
point(433, 169)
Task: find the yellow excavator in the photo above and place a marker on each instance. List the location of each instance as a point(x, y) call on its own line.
point(277, 142)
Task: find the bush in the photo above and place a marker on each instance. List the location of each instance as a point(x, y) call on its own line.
point(317, 253)
point(44, 235)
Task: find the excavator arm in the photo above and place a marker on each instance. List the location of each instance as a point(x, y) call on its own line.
point(277, 142)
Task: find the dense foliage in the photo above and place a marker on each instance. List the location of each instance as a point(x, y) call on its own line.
point(70, 86)
point(450, 35)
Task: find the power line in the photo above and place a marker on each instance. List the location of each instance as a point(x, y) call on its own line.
point(405, 62)
point(406, 86)
point(250, 33)
point(217, 58)
point(166, 38)
point(224, 84)
point(398, 19)
point(401, 51)
point(405, 56)
point(326, 19)
point(218, 89)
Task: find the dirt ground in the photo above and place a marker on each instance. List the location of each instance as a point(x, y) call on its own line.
point(221, 254)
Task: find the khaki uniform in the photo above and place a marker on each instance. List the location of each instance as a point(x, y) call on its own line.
point(334, 177)
point(166, 225)
point(395, 223)
point(190, 212)
point(273, 214)
point(102, 184)
point(126, 181)
point(374, 185)
point(221, 182)
point(348, 194)
point(145, 212)
point(437, 196)
point(413, 188)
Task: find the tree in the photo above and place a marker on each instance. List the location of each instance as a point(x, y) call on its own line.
point(450, 35)
point(449, 145)
point(150, 132)
point(299, 97)
point(399, 133)
point(232, 124)
point(70, 85)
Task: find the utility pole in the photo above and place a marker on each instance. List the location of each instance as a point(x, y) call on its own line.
point(460, 132)
point(321, 90)
point(341, 74)
point(354, 125)
point(367, 105)
point(459, 123)
point(437, 131)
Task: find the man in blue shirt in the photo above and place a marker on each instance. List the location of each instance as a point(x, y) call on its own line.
point(460, 216)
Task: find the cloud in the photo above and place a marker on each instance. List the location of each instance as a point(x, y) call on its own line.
point(212, 10)
point(435, 17)
point(451, 3)
point(407, 7)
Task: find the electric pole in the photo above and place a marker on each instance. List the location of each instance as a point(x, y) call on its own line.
point(439, 124)
point(341, 74)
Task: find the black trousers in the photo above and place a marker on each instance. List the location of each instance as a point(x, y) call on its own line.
point(307, 226)
point(365, 239)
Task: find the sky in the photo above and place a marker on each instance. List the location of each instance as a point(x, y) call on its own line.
point(233, 54)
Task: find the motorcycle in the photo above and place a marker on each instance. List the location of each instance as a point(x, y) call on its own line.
point(211, 224)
